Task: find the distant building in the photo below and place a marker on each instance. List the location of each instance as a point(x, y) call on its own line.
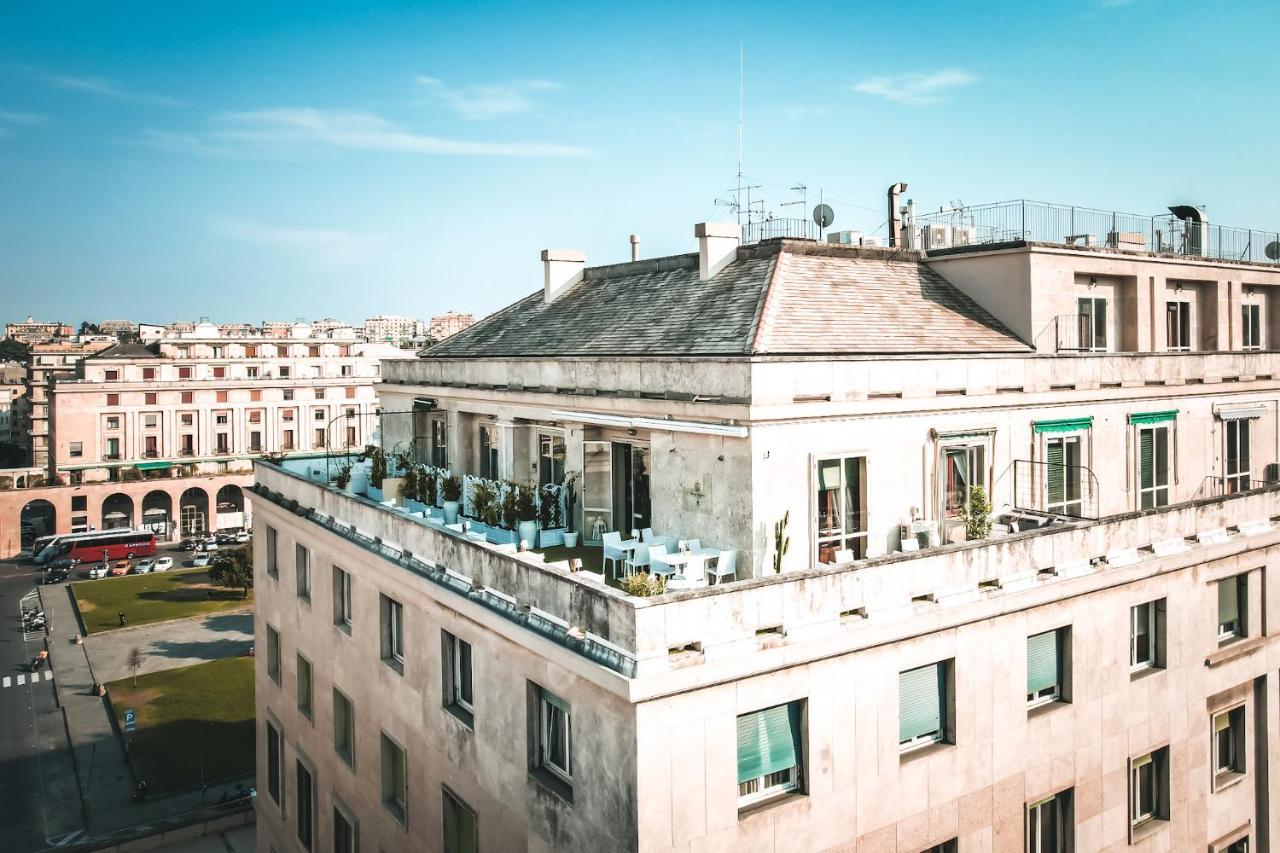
point(449, 323)
point(118, 328)
point(393, 329)
point(276, 329)
point(181, 326)
point(330, 326)
point(237, 330)
point(35, 332)
point(13, 403)
point(47, 361)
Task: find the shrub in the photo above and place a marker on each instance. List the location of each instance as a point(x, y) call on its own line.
point(482, 500)
point(643, 585)
point(526, 507)
point(451, 488)
point(977, 514)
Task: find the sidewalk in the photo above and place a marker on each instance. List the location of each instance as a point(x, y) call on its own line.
point(102, 769)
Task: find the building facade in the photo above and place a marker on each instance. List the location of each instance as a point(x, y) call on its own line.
point(46, 362)
point(36, 332)
point(448, 324)
point(851, 652)
point(392, 329)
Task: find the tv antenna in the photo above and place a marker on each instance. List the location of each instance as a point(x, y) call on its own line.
point(803, 201)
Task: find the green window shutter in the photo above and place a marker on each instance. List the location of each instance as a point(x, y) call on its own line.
point(1066, 425)
point(1146, 457)
point(919, 702)
point(1154, 417)
point(1042, 661)
point(1228, 600)
point(768, 741)
point(1056, 472)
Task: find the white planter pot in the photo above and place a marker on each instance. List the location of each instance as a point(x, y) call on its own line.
point(450, 512)
point(571, 539)
point(528, 533)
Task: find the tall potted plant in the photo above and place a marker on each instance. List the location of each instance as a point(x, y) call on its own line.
point(570, 500)
point(451, 490)
point(527, 513)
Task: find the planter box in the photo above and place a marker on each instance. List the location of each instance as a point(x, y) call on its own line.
point(551, 538)
point(373, 493)
point(414, 506)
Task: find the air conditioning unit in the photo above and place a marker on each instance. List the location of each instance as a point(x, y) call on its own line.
point(1272, 474)
point(935, 237)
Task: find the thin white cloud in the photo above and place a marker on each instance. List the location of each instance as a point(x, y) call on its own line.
point(916, 88)
point(486, 101)
point(23, 119)
point(292, 132)
point(324, 246)
point(106, 89)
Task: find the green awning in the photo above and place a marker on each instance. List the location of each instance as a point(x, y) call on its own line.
point(1065, 425)
point(153, 466)
point(1153, 417)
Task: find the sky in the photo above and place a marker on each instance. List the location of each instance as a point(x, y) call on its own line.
point(248, 161)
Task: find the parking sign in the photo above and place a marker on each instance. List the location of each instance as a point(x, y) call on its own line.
point(128, 720)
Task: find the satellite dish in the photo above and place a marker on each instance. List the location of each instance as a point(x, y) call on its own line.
point(823, 215)
point(1273, 250)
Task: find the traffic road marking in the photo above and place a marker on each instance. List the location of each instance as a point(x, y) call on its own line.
point(19, 680)
point(22, 679)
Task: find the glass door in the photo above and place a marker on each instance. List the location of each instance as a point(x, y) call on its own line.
point(631, 486)
point(597, 490)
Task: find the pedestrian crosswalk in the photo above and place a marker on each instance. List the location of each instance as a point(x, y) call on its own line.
point(33, 678)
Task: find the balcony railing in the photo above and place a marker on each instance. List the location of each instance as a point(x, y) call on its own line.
point(1216, 487)
point(1067, 490)
point(1075, 333)
point(1009, 221)
point(768, 229)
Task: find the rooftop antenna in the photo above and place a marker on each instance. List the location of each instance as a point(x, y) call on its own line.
point(803, 201)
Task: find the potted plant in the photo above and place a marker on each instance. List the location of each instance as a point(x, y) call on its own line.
point(429, 487)
point(343, 478)
point(977, 514)
point(570, 499)
point(527, 516)
point(482, 500)
point(451, 491)
point(410, 482)
point(550, 516)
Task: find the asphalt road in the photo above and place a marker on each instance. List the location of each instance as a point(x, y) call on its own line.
point(37, 780)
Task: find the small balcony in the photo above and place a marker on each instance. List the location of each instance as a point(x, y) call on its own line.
point(1056, 489)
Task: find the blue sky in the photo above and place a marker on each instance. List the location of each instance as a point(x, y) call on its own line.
point(250, 161)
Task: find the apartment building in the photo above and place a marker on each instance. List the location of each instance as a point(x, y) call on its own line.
point(164, 434)
point(848, 653)
point(392, 329)
point(46, 362)
point(448, 324)
point(36, 332)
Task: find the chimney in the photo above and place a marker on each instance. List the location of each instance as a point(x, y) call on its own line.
point(895, 222)
point(635, 247)
point(717, 247)
point(561, 269)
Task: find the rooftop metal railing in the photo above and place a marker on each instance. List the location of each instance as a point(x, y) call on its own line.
point(1037, 221)
point(768, 229)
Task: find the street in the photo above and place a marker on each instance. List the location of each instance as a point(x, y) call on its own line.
point(37, 778)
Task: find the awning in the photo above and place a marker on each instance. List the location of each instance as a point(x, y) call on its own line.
point(1064, 425)
point(153, 466)
point(1242, 413)
point(1153, 417)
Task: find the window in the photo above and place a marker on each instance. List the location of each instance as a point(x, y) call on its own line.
point(1063, 475)
point(184, 373)
point(313, 352)
point(304, 687)
point(75, 449)
point(148, 373)
point(1146, 635)
point(1149, 787)
point(770, 752)
point(1238, 469)
point(219, 373)
point(438, 446)
point(113, 448)
point(551, 455)
point(273, 654)
point(188, 396)
point(842, 509)
point(1233, 607)
point(319, 437)
point(306, 806)
point(250, 351)
point(1045, 669)
point(555, 736)
point(223, 396)
point(284, 374)
point(113, 423)
point(112, 375)
point(252, 373)
point(1178, 326)
point(1049, 824)
point(490, 447)
point(460, 831)
point(287, 393)
point(150, 398)
point(1240, 845)
point(216, 351)
point(963, 467)
point(286, 414)
point(150, 421)
point(302, 566)
point(188, 419)
point(255, 416)
point(923, 713)
point(350, 391)
point(1153, 466)
point(341, 598)
point(79, 503)
point(273, 568)
point(394, 793)
point(320, 394)
point(113, 399)
point(456, 672)
point(275, 762)
point(184, 352)
point(1228, 745)
point(1251, 326)
point(255, 440)
point(344, 727)
point(344, 832)
point(392, 632)
point(286, 440)
point(318, 414)
point(1092, 315)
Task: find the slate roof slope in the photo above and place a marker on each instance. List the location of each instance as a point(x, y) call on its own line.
point(132, 349)
point(826, 303)
point(777, 298)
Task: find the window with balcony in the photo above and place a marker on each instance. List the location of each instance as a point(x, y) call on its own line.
point(456, 674)
point(1233, 608)
point(963, 463)
point(770, 753)
point(1149, 787)
point(151, 447)
point(187, 445)
point(1178, 326)
point(1251, 326)
point(344, 727)
point(461, 831)
point(551, 456)
point(1229, 740)
point(924, 705)
point(1049, 824)
point(394, 778)
point(1147, 635)
point(319, 438)
point(1236, 461)
point(255, 441)
point(841, 504)
point(1064, 474)
point(490, 451)
point(1154, 462)
point(351, 436)
point(113, 449)
point(1091, 313)
point(1047, 657)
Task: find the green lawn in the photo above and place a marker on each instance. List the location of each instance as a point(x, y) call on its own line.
point(189, 721)
point(153, 598)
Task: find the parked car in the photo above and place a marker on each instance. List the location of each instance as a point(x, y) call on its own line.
point(67, 563)
point(120, 568)
point(163, 564)
point(187, 545)
point(200, 559)
point(56, 576)
point(98, 570)
point(143, 567)
point(242, 537)
point(209, 546)
point(225, 539)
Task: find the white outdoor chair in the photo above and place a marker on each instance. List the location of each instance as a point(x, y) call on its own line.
point(657, 565)
point(726, 566)
point(646, 535)
point(614, 552)
point(695, 545)
point(639, 559)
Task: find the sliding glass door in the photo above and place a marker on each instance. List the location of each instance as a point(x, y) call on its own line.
point(615, 488)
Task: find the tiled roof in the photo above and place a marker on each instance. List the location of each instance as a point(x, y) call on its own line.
point(132, 349)
point(780, 297)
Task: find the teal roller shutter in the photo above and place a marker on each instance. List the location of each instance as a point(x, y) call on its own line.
point(1153, 417)
point(1066, 425)
point(1228, 600)
point(1146, 458)
point(1042, 661)
point(768, 741)
point(919, 702)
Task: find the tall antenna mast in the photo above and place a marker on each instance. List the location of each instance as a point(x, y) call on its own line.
point(740, 75)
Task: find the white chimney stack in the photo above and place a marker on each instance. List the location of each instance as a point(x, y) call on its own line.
point(635, 247)
point(717, 247)
point(561, 269)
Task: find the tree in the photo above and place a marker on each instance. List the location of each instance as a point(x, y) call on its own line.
point(11, 350)
point(233, 568)
point(135, 663)
point(87, 328)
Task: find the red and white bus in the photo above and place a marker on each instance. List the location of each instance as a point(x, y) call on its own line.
point(99, 545)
